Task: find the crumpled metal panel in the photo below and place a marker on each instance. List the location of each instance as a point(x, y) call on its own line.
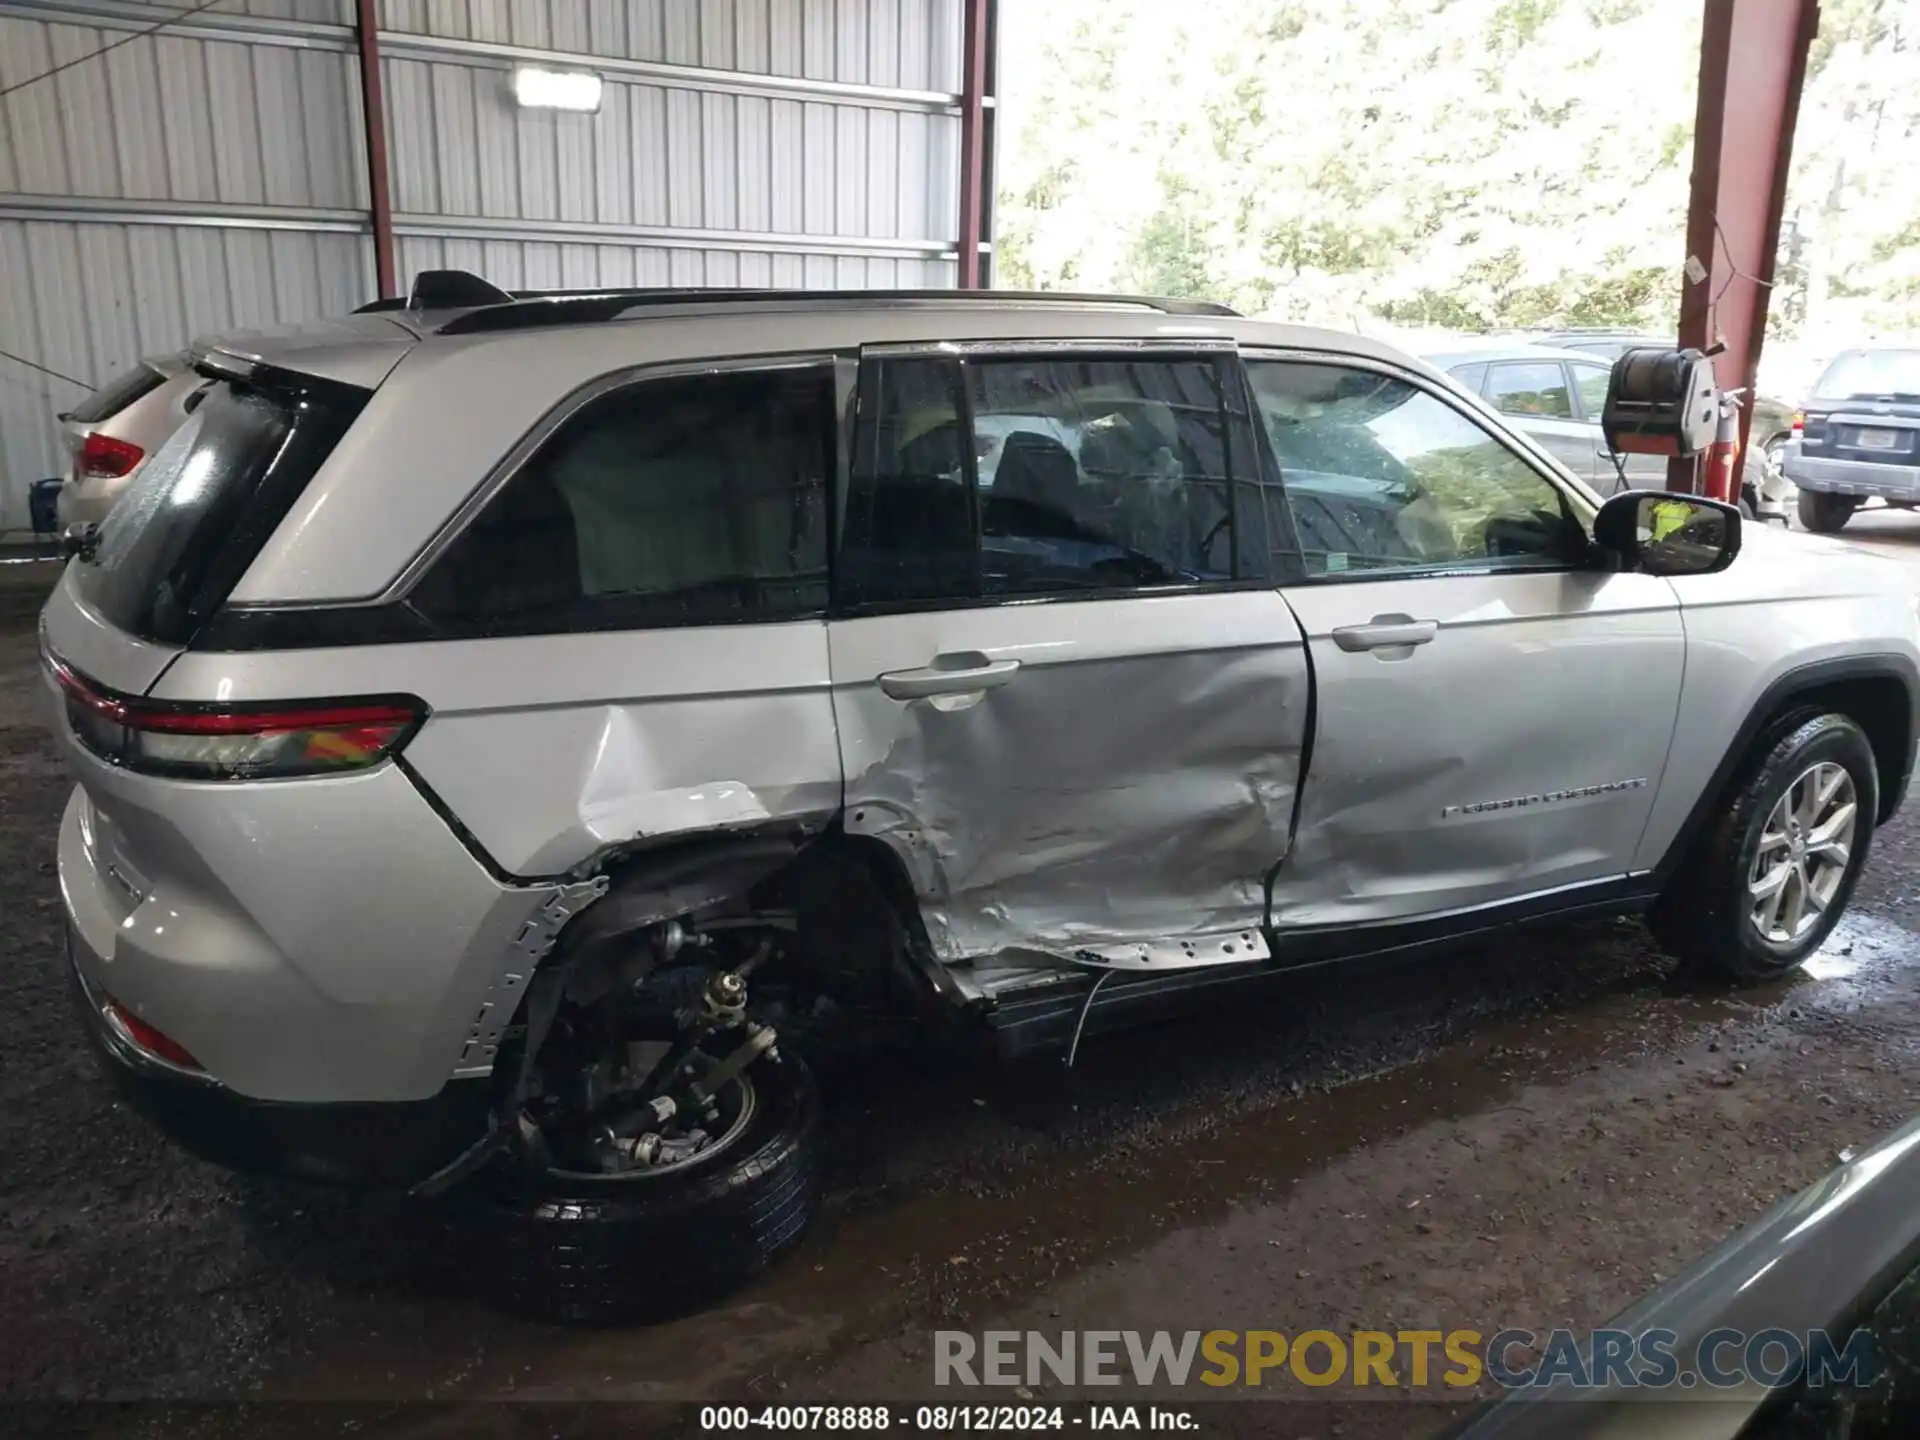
point(1134, 782)
point(550, 749)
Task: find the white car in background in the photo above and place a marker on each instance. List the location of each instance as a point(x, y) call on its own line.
point(114, 431)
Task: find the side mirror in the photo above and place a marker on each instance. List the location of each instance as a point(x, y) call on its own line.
point(1660, 533)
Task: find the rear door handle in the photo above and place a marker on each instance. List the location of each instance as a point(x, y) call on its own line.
point(1385, 632)
point(963, 674)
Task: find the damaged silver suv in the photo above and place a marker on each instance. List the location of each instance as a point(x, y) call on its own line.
point(507, 729)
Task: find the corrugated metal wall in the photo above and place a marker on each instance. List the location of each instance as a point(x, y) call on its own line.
point(213, 175)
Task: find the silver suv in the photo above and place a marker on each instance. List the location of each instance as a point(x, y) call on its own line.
point(509, 736)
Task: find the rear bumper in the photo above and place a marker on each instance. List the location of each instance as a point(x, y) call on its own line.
point(368, 1145)
point(325, 941)
point(1853, 477)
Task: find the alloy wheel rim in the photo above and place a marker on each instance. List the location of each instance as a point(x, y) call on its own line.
point(1803, 853)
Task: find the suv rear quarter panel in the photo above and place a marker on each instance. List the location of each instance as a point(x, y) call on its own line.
point(548, 749)
point(80, 636)
point(318, 940)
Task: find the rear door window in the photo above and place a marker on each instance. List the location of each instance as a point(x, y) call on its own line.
point(1591, 382)
point(1536, 388)
point(118, 393)
point(179, 539)
point(1047, 475)
point(1471, 377)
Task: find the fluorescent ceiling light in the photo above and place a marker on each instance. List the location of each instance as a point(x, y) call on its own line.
point(538, 89)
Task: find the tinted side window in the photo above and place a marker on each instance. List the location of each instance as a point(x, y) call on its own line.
point(1381, 475)
point(1591, 381)
point(1535, 388)
point(1471, 377)
point(1040, 476)
point(1101, 474)
point(1035, 477)
point(690, 500)
point(908, 527)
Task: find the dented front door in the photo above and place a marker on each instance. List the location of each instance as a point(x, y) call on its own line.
point(1063, 698)
point(1492, 710)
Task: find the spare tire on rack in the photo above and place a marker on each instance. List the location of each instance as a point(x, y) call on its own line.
point(635, 1247)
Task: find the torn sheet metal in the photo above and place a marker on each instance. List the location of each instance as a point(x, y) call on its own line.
point(1229, 947)
point(621, 736)
point(1133, 783)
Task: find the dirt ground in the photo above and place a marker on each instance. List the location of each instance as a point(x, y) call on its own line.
point(1531, 1133)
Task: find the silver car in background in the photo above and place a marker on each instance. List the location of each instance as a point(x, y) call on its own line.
point(112, 433)
point(1557, 396)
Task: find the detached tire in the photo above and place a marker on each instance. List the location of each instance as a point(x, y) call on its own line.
point(1825, 513)
point(621, 1250)
point(1780, 822)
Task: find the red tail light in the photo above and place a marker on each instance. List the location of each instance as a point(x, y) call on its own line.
point(1799, 424)
point(247, 742)
point(143, 1036)
point(104, 458)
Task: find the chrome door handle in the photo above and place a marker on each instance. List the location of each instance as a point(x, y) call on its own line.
point(1384, 632)
point(948, 675)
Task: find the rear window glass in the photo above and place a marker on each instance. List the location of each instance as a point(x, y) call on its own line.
point(118, 393)
point(1876, 372)
point(180, 537)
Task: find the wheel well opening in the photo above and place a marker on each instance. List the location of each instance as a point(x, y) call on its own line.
point(1881, 706)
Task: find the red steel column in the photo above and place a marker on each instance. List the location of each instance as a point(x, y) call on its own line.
point(1753, 63)
point(379, 188)
point(976, 50)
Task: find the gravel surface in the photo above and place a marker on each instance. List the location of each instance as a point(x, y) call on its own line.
point(1529, 1133)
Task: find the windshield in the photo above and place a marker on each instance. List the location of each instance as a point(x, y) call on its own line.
point(1872, 372)
point(179, 538)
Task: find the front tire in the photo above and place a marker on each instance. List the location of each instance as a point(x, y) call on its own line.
point(1825, 513)
point(1772, 874)
point(610, 1250)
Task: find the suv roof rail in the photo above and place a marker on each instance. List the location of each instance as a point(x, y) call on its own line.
point(529, 309)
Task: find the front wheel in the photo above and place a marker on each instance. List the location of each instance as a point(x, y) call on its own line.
point(1776, 866)
point(1826, 513)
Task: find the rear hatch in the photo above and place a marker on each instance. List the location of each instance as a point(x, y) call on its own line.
point(1866, 407)
point(192, 520)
